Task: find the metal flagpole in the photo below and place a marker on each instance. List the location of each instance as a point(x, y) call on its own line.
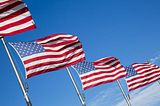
point(129, 104)
point(16, 72)
point(80, 97)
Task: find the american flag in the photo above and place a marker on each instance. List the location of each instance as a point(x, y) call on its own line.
point(99, 72)
point(53, 52)
point(14, 18)
point(139, 75)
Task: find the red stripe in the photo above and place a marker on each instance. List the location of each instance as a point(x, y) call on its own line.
point(19, 31)
point(15, 14)
point(63, 43)
point(71, 44)
point(149, 70)
point(64, 47)
point(100, 83)
point(17, 23)
point(51, 36)
point(103, 60)
point(5, 2)
point(54, 62)
point(143, 76)
point(102, 77)
point(108, 62)
point(66, 39)
point(144, 67)
point(102, 72)
point(113, 68)
point(52, 56)
point(10, 6)
point(53, 69)
point(141, 85)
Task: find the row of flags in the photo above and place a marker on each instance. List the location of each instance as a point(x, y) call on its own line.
point(59, 51)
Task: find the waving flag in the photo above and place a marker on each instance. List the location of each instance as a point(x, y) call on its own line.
point(139, 75)
point(53, 52)
point(14, 18)
point(99, 72)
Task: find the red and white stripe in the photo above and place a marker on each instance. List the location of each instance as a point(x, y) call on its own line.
point(5, 1)
point(148, 73)
point(107, 70)
point(14, 18)
point(62, 50)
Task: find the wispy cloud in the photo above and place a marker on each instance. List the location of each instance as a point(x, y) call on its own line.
point(147, 97)
point(154, 59)
point(99, 99)
point(108, 97)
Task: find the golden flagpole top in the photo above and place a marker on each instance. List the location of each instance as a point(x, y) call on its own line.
point(148, 61)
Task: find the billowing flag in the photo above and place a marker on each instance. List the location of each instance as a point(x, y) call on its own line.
point(139, 75)
point(14, 18)
point(53, 52)
point(99, 72)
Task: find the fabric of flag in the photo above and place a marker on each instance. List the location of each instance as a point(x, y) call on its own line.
point(99, 72)
point(4, 1)
point(15, 18)
point(139, 75)
point(53, 52)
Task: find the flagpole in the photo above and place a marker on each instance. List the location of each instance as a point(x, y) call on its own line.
point(16, 72)
point(80, 97)
point(129, 104)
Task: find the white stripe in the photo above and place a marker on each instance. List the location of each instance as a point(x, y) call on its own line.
point(155, 70)
point(114, 62)
point(44, 41)
point(98, 70)
point(146, 73)
point(102, 80)
point(18, 18)
point(143, 70)
point(53, 65)
point(61, 40)
point(47, 53)
point(140, 79)
point(19, 27)
point(51, 59)
point(104, 61)
point(67, 48)
point(142, 83)
point(13, 10)
point(1, 1)
point(97, 66)
point(101, 75)
point(7, 3)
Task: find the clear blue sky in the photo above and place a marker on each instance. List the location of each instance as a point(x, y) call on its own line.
point(126, 29)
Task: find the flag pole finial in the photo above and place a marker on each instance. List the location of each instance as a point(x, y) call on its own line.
point(148, 61)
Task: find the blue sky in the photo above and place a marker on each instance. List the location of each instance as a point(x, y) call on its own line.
point(127, 30)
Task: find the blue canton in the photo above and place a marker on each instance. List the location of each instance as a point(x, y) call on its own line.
point(27, 48)
point(84, 67)
point(130, 71)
